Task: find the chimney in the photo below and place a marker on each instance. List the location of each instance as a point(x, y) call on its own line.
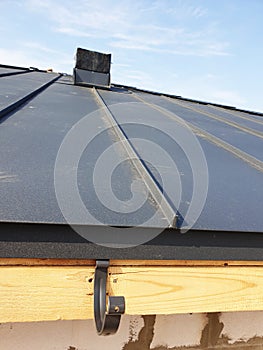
point(92, 68)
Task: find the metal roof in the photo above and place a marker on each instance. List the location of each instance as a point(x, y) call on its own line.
point(163, 165)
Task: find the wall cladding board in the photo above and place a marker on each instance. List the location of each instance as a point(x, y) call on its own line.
point(233, 330)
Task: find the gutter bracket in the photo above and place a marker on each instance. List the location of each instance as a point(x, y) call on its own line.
point(107, 318)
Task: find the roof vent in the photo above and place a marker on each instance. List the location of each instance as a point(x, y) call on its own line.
point(92, 68)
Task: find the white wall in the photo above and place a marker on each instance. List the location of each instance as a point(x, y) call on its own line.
point(166, 331)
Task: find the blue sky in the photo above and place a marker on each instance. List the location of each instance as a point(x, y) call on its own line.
point(205, 49)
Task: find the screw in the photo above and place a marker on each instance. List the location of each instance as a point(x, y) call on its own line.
point(116, 309)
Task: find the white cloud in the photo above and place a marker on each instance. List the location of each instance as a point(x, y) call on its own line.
point(121, 65)
point(228, 97)
point(186, 49)
point(131, 25)
point(214, 94)
point(185, 11)
point(135, 78)
point(37, 46)
point(30, 57)
point(15, 57)
point(73, 32)
point(134, 26)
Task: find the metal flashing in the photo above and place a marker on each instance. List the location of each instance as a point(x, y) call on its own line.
point(90, 78)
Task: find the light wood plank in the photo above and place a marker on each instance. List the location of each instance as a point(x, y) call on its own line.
point(51, 293)
point(45, 262)
point(171, 290)
point(82, 262)
point(44, 293)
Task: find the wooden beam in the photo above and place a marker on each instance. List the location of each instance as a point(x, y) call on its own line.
point(39, 293)
point(82, 262)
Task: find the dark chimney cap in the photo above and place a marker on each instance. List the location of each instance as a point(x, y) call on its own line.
point(93, 61)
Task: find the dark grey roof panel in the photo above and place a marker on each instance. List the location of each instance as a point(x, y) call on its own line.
point(234, 190)
point(247, 120)
point(230, 117)
point(234, 186)
point(10, 70)
point(31, 222)
point(188, 100)
point(28, 160)
point(239, 138)
point(13, 88)
point(30, 141)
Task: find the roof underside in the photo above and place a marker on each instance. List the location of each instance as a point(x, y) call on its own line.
point(37, 111)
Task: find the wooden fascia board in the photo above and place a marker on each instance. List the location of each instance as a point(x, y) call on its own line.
point(31, 292)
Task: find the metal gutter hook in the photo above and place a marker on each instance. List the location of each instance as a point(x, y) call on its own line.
point(107, 319)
